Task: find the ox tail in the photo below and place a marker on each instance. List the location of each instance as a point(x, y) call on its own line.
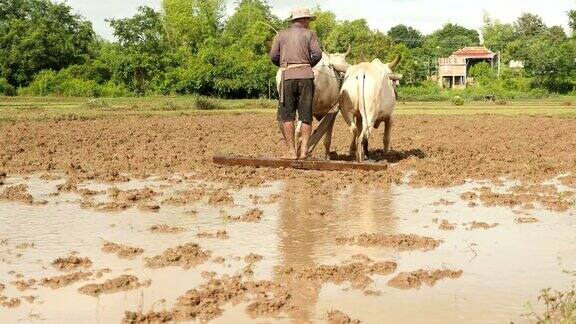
point(366, 123)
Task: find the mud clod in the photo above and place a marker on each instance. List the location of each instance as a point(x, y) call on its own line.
point(252, 216)
point(401, 242)
point(415, 279)
point(526, 220)
point(481, 225)
point(355, 273)
point(221, 234)
point(122, 283)
point(205, 303)
point(122, 251)
point(149, 208)
point(165, 229)
point(9, 302)
point(185, 256)
point(253, 258)
point(133, 196)
point(23, 285)
point(65, 280)
point(447, 226)
point(221, 197)
point(337, 317)
point(18, 193)
point(71, 263)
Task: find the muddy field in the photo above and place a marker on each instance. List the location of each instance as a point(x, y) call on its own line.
point(128, 218)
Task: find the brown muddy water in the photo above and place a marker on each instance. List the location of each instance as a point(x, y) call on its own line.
point(504, 267)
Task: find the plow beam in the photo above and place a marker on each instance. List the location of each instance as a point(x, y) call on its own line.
point(317, 165)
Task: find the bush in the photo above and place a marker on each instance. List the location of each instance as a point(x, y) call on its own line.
point(458, 101)
point(60, 83)
point(78, 88)
point(96, 103)
point(64, 84)
point(44, 83)
point(111, 89)
point(6, 89)
point(202, 103)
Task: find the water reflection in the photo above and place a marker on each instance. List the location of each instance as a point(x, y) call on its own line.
point(309, 223)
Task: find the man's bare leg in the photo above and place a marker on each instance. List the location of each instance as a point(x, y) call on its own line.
point(306, 131)
point(288, 131)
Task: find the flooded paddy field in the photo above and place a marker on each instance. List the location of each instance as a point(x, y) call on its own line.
point(128, 221)
point(356, 250)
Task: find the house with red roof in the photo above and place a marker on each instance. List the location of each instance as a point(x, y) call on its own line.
point(453, 70)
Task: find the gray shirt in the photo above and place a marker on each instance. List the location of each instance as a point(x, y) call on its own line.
point(296, 45)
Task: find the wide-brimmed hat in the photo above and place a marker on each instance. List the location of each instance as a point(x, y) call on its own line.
point(298, 13)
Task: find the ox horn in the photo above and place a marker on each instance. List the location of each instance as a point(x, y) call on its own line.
point(396, 61)
point(349, 50)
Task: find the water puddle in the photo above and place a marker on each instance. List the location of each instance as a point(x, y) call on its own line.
point(504, 267)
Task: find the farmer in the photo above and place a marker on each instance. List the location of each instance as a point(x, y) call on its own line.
point(296, 51)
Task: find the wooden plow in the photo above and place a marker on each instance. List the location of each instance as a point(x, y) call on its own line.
point(309, 164)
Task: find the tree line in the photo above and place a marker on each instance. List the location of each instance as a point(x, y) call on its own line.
point(190, 47)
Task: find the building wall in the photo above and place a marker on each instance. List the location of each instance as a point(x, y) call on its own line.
point(451, 72)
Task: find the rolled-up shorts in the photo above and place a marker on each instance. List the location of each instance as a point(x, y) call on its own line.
point(298, 96)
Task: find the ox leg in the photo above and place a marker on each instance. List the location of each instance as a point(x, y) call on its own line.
point(328, 141)
point(355, 129)
point(388, 123)
point(365, 147)
point(360, 147)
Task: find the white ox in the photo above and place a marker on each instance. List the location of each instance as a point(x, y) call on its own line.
point(367, 99)
point(328, 79)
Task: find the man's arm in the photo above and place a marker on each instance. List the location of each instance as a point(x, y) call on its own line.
point(315, 50)
point(275, 52)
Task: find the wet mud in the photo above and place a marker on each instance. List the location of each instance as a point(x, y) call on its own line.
point(122, 283)
point(165, 229)
point(251, 244)
point(220, 234)
point(17, 193)
point(337, 317)
point(415, 279)
point(445, 155)
point(71, 263)
point(122, 251)
point(401, 242)
point(252, 216)
point(185, 256)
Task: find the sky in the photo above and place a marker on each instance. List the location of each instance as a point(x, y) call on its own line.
point(424, 15)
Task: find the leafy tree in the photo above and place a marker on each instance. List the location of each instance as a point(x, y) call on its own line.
point(249, 26)
point(497, 35)
point(551, 64)
point(572, 21)
point(324, 24)
point(36, 35)
point(142, 32)
point(483, 73)
point(406, 35)
point(189, 22)
point(555, 34)
point(413, 71)
point(366, 44)
point(6, 89)
point(452, 37)
point(529, 25)
point(142, 55)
